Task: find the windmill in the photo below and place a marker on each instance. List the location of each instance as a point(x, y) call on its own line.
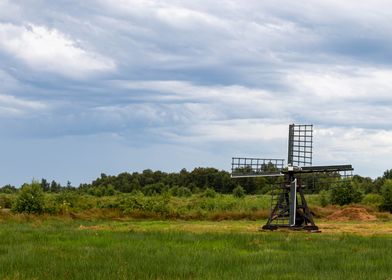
point(288, 204)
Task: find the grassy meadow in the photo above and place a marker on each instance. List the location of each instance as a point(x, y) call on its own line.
point(56, 248)
point(133, 236)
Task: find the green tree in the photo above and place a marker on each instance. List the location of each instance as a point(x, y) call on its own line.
point(30, 199)
point(8, 189)
point(45, 185)
point(345, 194)
point(386, 192)
point(55, 187)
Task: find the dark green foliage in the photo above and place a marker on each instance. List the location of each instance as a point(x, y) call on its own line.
point(239, 191)
point(154, 189)
point(6, 201)
point(45, 185)
point(345, 194)
point(387, 174)
point(30, 199)
point(103, 190)
point(68, 197)
point(185, 183)
point(139, 202)
point(54, 186)
point(386, 192)
point(209, 192)
point(8, 189)
point(379, 182)
point(181, 191)
point(365, 184)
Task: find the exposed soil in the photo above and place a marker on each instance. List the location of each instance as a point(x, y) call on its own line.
point(351, 214)
point(90, 227)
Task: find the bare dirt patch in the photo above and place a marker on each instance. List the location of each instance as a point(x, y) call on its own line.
point(97, 227)
point(351, 214)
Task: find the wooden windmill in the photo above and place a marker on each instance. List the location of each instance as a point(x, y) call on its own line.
point(288, 204)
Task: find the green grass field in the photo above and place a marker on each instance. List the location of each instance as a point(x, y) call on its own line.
point(55, 248)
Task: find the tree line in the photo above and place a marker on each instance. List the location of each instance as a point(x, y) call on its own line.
point(198, 180)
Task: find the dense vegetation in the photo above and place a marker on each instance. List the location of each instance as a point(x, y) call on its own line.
point(185, 194)
point(184, 183)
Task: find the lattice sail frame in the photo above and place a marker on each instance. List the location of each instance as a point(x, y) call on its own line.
point(300, 146)
point(255, 167)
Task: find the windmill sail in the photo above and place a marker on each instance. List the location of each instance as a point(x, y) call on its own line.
point(255, 167)
point(288, 203)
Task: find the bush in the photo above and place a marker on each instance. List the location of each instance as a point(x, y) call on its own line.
point(372, 199)
point(67, 197)
point(30, 199)
point(6, 201)
point(324, 198)
point(181, 192)
point(154, 189)
point(209, 193)
point(345, 194)
point(239, 191)
point(386, 192)
point(105, 190)
point(51, 205)
point(158, 204)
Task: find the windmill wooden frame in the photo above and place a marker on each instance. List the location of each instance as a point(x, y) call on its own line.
point(289, 207)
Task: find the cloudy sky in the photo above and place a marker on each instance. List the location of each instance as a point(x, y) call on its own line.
point(111, 86)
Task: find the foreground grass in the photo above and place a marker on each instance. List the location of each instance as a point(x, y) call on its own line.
point(56, 249)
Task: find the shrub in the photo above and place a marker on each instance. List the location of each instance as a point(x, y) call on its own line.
point(345, 194)
point(209, 193)
point(324, 198)
point(30, 199)
point(154, 189)
point(386, 192)
point(104, 190)
point(181, 191)
point(6, 200)
point(155, 204)
point(239, 191)
point(51, 205)
point(8, 189)
point(67, 197)
point(372, 199)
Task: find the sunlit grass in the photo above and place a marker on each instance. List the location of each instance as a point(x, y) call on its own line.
point(55, 249)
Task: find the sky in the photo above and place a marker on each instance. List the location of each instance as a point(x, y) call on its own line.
point(91, 87)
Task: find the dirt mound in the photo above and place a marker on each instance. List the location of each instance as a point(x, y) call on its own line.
point(351, 214)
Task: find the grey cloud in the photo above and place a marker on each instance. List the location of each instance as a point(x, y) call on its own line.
point(198, 73)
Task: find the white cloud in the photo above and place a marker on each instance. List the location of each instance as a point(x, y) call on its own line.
point(13, 106)
point(343, 83)
point(50, 50)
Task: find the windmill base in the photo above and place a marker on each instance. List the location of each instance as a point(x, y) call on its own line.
point(312, 228)
point(290, 209)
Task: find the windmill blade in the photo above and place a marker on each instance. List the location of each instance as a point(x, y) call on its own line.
point(256, 167)
point(300, 145)
point(326, 168)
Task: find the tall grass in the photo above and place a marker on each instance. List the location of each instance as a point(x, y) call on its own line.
point(59, 250)
point(136, 205)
